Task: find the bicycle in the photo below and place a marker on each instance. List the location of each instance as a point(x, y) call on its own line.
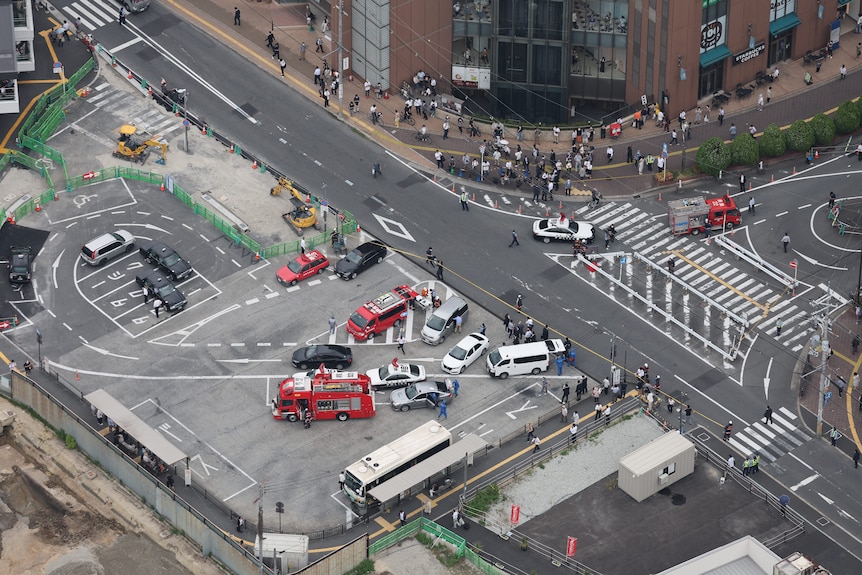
point(409, 120)
point(425, 138)
point(378, 120)
point(595, 201)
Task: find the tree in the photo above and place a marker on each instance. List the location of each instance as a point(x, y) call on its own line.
point(824, 129)
point(744, 150)
point(847, 118)
point(799, 136)
point(772, 141)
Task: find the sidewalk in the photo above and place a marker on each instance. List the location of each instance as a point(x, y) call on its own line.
point(791, 100)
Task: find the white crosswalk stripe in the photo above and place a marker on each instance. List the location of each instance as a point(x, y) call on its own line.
point(93, 13)
point(749, 296)
point(770, 440)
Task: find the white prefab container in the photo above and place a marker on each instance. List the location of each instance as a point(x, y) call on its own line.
point(658, 464)
point(287, 553)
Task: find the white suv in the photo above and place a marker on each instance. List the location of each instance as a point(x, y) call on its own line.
point(106, 247)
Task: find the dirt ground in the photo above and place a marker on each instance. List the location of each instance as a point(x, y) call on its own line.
point(51, 523)
point(412, 558)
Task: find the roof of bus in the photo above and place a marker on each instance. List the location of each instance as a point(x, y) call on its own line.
point(383, 459)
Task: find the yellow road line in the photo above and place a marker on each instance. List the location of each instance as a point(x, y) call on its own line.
point(740, 293)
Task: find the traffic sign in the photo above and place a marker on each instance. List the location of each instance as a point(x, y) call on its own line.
point(5, 325)
point(793, 264)
point(89, 175)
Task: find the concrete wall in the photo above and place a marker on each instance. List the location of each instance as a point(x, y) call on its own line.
point(421, 39)
point(194, 524)
point(340, 561)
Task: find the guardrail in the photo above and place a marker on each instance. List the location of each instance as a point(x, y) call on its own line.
point(764, 266)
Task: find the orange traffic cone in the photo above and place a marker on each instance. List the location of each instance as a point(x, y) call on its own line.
point(435, 178)
point(149, 90)
point(772, 179)
point(231, 148)
point(561, 204)
point(519, 211)
point(659, 195)
point(794, 170)
point(254, 165)
point(358, 229)
point(816, 154)
point(750, 186)
point(162, 187)
point(38, 207)
point(547, 212)
point(77, 377)
point(474, 197)
point(130, 75)
point(496, 205)
point(453, 188)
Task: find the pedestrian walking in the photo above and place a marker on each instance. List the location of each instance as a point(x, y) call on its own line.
point(440, 270)
point(834, 436)
point(732, 131)
point(768, 94)
point(731, 462)
point(341, 480)
point(670, 404)
point(767, 415)
point(565, 398)
point(778, 325)
point(728, 429)
point(401, 342)
point(607, 413)
point(332, 324)
point(571, 357)
point(515, 241)
point(673, 140)
point(751, 205)
point(402, 517)
point(519, 303)
point(560, 362)
point(760, 102)
point(741, 183)
point(236, 16)
point(832, 198)
point(544, 386)
point(465, 205)
point(146, 291)
point(598, 411)
point(157, 303)
point(456, 385)
point(302, 246)
point(456, 519)
point(308, 418)
point(460, 125)
point(785, 241)
point(530, 431)
point(282, 64)
point(688, 414)
point(319, 45)
point(28, 367)
point(536, 443)
point(317, 78)
point(746, 466)
point(459, 320)
point(843, 71)
point(573, 432)
point(302, 49)
point(240, 523)
point(446, 127)
point(270, 38)
point(169, 481)
point(443, 413)
point(783, 501)
point(122, 16)
point(564, 412)
point(721, 115)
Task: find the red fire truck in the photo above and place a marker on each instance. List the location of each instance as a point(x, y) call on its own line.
point(329, 395)
point(691, 215)
point(381, 313)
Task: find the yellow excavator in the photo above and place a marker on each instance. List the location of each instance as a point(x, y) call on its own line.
point(301, 215)
point(136, 147)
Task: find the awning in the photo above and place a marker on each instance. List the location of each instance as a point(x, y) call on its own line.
point(135, 426)
point(425, 469)
point(784, 24)
point(844, 2)
point(714, 56)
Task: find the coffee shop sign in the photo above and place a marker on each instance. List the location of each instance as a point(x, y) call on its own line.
point(749, 54)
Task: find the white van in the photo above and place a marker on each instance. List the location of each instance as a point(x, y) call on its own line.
point(523, 358)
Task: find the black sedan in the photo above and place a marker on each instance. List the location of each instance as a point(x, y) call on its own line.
point(360, 259)
point(166, 258)
point(155, 284)
point(331, 356)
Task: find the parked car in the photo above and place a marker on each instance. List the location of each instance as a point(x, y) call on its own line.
point(465, 352)
point(165, 257)
point(20, 264)
point(418, 395)
point(396, 375)
point(159, 286)
point(563, 230)
point(332, 356)
point(306, 265)
point(101, 249)
point(360, 259)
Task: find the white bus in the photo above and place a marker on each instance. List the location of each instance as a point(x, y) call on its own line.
point(390, 460)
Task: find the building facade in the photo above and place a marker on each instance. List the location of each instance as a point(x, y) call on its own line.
point(560, 61)
point(16, 50)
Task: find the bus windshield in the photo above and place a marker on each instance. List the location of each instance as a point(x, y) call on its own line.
point(353, 484)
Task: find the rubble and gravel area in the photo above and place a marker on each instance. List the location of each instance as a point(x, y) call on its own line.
point(594, 458)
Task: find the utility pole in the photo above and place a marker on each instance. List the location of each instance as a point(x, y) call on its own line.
point(824, 380)
point(260, 529)
point(340, 61)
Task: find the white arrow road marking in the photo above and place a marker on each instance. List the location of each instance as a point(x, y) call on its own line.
point(54, 267)
point(525, 407)
point(204, 465)
point(766, 379)
point(486, 410)
point(245, 360)
point(108, 353)
point(814, 262)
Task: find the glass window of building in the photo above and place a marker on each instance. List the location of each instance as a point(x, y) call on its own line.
point(713, 31)
point(780, 8)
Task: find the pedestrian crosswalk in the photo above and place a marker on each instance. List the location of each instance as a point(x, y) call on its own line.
point(93, 13)
point(142, 112)
point(770, 440)
point(719, 283)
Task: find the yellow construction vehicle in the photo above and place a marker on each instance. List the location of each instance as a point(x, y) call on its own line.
point(302, 214)
point(137, 148)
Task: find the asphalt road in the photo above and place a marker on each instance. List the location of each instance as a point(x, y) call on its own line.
point(293, 134)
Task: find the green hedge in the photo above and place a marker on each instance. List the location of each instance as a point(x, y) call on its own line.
point(772, 141)
point(713, 156)
point(744, 150)
point(847, 118)
point(799, 137)
point(824, 129)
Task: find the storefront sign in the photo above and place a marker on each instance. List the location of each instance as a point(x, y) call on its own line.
point(471, 77)
point(743, 57)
